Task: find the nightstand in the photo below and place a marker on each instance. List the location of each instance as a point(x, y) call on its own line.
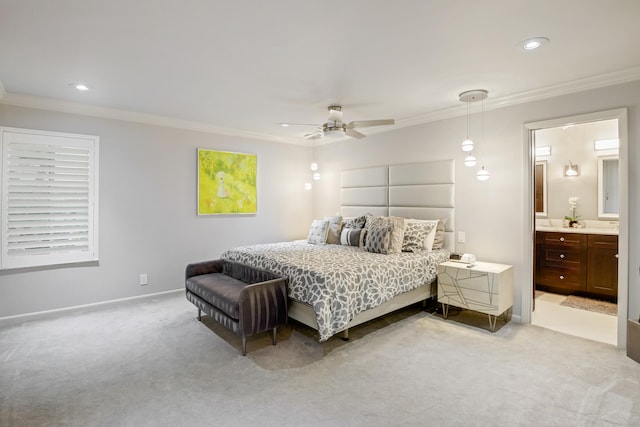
point(483, 287)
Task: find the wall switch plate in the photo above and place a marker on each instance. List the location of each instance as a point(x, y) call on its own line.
point(143, 279)
point(461, 237)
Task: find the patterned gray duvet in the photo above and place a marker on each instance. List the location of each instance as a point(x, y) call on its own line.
point(340, 281)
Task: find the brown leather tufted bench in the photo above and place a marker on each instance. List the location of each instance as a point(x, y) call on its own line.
point(244, 299)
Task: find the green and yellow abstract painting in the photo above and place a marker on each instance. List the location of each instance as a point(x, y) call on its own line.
point(226, 182)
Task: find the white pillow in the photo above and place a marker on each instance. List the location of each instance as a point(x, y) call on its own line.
point(428, 243)
point(318, 232)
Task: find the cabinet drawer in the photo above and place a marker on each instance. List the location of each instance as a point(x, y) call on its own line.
point(602, 241)
point(563, 257)
point(563, 278)
point(565, 239)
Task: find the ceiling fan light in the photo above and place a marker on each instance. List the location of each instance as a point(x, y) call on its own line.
point(469, 161)
point(334, 133)
point(483, 174)
point(467, 145)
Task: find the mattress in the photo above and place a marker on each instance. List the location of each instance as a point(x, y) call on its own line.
point(338, 281)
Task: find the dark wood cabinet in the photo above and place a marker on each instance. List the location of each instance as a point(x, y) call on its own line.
point(602, 259)
point(577, 263)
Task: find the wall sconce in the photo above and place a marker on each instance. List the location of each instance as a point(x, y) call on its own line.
point(543, 151)
point(571, 170)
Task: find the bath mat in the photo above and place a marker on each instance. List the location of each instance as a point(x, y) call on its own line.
point(589, 304)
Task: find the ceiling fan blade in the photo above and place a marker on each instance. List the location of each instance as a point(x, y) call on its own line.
point(355, 134)
point(367, 123)
point(318, 134)
point(297, 124)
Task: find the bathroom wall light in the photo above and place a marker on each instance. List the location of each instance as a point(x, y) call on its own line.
point(606, 144)
point(543, 151)
point(571, 170)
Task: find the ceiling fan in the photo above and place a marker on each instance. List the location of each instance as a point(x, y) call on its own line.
point(336, 128)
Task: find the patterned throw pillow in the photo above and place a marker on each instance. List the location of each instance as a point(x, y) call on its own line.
point(438, 242)
point(335, 226)
point(318, 232)
point(397, 230)
point(415, 236)
point(378, 239)
point(353, 236)
point(355, 221)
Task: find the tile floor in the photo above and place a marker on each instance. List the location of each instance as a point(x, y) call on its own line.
point(586, 324)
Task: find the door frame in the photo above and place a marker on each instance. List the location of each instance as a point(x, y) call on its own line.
point(623, 224)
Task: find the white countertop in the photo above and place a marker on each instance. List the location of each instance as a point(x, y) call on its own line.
point(593, 230)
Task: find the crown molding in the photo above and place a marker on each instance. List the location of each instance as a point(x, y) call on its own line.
point(579, 85)
point(594, 82)
point(50, 104)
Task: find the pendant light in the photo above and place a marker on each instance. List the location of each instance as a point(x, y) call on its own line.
point(483, 174)
point(314, 165)
point(468, 145)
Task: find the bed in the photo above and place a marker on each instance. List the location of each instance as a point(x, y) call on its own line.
point(333, 287)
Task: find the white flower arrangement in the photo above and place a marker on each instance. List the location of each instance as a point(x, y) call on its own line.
point(573, 204)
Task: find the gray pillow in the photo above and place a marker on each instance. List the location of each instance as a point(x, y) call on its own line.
point(352, 236)
point(438, 242)
point(397, 230)
point(378, 239)
point(335, 226)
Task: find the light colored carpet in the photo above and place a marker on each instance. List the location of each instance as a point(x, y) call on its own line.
point(151, 363)
point(604, 307)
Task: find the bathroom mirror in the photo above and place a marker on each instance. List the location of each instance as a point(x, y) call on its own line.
point(541, 189)
point(608, 187)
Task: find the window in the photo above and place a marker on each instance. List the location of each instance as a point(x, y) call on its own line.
point(49, 204)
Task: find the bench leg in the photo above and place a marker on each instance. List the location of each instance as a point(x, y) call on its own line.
point(274, 332)
point(244, 346)
point(199, 315)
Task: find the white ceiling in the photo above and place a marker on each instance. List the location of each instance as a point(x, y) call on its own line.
point(242, 67)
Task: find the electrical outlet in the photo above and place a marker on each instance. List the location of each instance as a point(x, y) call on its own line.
point(143, 279)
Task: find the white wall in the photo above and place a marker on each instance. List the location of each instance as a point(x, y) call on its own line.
point(492, 214)
point(148, 221)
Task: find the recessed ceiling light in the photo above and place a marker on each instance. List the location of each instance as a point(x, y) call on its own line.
point(79, 86)
point(533, 43)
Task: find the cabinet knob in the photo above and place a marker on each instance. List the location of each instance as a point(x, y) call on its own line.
point(562, 239)
point(617, 256)
point(561, 277)
point(562, 256)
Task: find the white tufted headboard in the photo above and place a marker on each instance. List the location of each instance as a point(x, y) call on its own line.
point(417, 190)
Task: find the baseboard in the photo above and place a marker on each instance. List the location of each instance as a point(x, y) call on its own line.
point(95, 304)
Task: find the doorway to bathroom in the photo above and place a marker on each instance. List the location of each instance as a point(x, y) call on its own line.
point(578, 214)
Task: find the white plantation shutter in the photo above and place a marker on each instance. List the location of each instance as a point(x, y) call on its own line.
point(49, 202)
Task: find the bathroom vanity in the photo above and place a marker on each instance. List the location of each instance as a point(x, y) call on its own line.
point(577, 260)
